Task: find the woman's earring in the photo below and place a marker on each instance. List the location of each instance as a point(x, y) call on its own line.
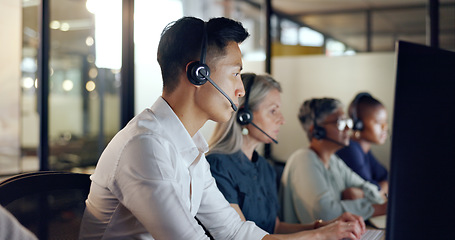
point(244, 131)
point(357, 134)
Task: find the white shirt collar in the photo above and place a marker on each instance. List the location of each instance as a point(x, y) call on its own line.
point(177, 132)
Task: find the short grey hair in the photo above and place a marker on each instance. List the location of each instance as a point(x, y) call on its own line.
point(227, 137)
point(318, 108)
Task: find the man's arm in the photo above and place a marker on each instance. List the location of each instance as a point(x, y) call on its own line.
point(147, 182)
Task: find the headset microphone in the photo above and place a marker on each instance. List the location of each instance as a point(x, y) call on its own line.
point(234, 107)
point(273, 139)
point(199, 73)
point(245, 116)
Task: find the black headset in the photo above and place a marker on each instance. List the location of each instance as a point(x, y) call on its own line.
point(244, 115)
point(198, 72)
point(195, 68)
point(318, 131)
point(358, 123)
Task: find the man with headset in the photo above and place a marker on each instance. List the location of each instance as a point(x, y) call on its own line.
point(152, 180)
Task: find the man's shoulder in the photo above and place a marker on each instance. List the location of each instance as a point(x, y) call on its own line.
point(145, 125)
point(142, 134)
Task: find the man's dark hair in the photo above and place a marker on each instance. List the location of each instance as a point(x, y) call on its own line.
point(181, 43)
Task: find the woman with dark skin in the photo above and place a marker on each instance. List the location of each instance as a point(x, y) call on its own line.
point(370, 127)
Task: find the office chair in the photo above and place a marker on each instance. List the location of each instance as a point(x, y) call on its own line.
point(50, 204)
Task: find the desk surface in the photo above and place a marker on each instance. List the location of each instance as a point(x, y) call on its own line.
point(378, 222)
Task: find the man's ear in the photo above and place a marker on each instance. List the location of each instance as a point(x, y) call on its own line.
point(184, 78)
point(187, 65)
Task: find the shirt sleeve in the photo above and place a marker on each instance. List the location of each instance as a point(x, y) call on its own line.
point(148, 189)
point(311, 195)
point(224, 180)
point(371, 191)
point(378, 170)
point(314, 194)
point(355, 160)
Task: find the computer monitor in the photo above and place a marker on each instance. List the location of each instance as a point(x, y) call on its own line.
point(422, 171)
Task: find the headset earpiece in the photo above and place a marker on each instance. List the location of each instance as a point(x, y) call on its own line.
point(319, 132)
point(358, 123)
point(194, 73)
point(244, 115)
point(196, 69)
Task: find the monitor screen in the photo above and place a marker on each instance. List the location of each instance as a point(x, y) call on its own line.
point(422, 169)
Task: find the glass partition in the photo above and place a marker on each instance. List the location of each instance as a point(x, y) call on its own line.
point(85, 58)
point(10, 48)
point(84, 107)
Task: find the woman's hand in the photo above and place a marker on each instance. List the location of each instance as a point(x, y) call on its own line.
point(349, 217)
point(356, 221)
point(341, 230)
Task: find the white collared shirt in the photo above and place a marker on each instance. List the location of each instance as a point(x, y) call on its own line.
point(152, 180)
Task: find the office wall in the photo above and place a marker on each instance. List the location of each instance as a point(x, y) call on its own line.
point(10, 49)
point(339, 77)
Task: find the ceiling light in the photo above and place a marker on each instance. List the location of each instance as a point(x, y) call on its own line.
point(65, 26)
point(67, 85)
point(89, 41)
point(90, 86)
point(54, 24)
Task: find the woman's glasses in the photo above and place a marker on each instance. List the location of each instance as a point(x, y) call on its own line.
point(342, 123)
